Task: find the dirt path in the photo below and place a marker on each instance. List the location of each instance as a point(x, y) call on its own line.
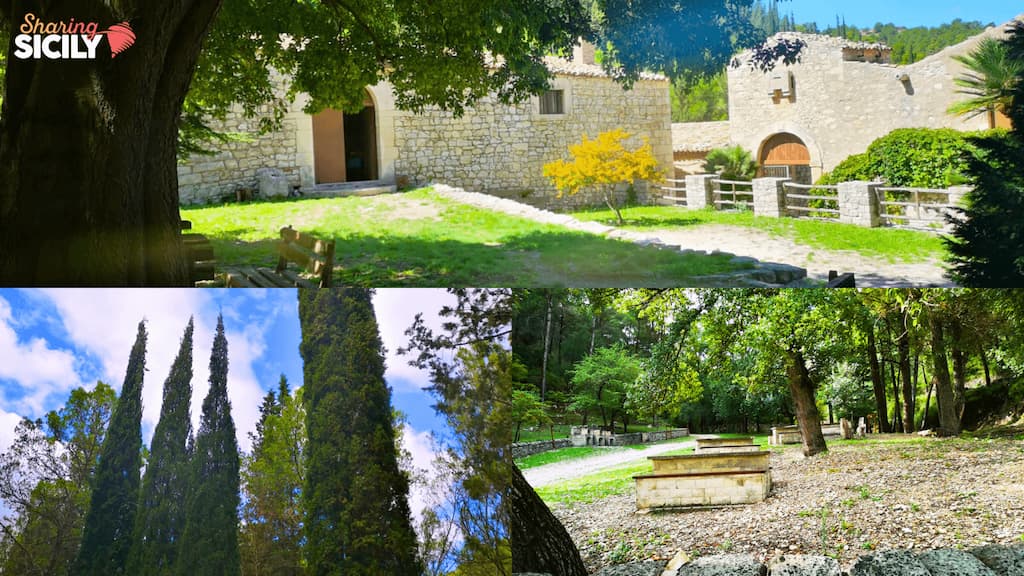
point(559, 471)
point(871, 272)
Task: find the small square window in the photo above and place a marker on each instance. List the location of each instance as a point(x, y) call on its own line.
point(552, 102)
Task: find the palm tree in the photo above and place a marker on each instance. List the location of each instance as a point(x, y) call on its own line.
point(731, 163)
point(989, 79)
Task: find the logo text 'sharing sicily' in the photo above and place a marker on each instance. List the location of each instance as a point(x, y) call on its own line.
point(68, 40)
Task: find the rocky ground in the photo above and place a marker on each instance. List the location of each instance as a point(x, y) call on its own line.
point(922, 494)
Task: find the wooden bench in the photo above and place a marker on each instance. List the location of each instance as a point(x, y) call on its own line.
point(198, 255)
point(308, 252)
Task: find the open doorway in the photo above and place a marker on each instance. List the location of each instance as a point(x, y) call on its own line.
point(345, 145)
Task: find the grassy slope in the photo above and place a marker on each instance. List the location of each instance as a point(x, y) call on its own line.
point(891, 244)
point(431, 241)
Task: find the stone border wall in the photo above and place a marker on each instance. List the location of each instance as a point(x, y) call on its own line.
point(525, 449)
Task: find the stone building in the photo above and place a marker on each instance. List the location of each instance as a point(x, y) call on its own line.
point(803, 120)
point(691, 142)
point(493, 148)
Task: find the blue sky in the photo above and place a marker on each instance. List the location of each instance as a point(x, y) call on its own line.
point(865, 13)
point(52, 341)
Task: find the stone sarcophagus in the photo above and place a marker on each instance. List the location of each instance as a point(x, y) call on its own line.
point(705, 479)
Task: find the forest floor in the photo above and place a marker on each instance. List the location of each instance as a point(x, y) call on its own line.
point(887, 492)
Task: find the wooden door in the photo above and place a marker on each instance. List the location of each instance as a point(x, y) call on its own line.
point(329, 147)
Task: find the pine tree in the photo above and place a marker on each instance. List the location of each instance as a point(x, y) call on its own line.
point(357, 510)
point(161, 516)
point(107, 536)
point(210, 541)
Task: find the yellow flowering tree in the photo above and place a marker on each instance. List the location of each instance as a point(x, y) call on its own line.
point(603, 163)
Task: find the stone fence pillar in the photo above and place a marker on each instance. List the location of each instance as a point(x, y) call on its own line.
point(700, 191)
point(770, 197)
point(957, 194)
point(858, 204)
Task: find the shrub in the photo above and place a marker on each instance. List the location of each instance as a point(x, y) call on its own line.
point(915, 157)
point(733, 163)
point(602, 163)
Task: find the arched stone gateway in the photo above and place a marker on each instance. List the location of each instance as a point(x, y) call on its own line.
point(785, 155)
point(345, 145)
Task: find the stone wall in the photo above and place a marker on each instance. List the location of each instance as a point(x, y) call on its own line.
point(524, 449)
point(838, 107)
point(501, 149)
point(206, 179)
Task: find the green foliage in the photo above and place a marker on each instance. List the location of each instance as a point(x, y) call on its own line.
point(109, 524)
point(45, 481)
point(989, 79)
point(357, 514)
point(161, 515)
point(732, 163)
point(602, 163)
point(527, 410)
point(849, 392)
point(273, 476)
point(700, 98)
point(914, 157)
point(601, 383)
point(987, 247)
point(910, 45)
point(209, 544)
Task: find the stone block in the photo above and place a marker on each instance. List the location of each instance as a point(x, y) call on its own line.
point(723, 565)
point(800, 565)
point(889, 563)
point(948, 562)
point(858, 204)
point(700, 191)
point(770, 197)
point(632, 569)
point(1003, 560)
point(272, 183)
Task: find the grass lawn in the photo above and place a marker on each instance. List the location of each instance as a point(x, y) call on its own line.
point(894, 245)
point(421, 239)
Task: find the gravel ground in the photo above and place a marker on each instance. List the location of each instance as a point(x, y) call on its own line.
point(922, 495)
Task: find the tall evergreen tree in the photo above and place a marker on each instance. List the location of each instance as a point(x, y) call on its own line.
point(161, 517)
point(357, 510)
point(107, 536)
point(209, 544)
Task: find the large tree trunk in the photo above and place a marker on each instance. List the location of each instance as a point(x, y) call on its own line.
point(88, 178)
point(877, 384)
point(539, 541)
point(802, 389)
point(949, 422)
point(909, 394)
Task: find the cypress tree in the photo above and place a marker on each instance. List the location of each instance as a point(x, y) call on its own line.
point(357, 510)
point(209, 544)
point(107, 535)
point(161, 517)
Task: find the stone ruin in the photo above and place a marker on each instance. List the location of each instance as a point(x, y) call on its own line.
point(588, 436)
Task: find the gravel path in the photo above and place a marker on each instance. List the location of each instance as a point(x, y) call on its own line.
point(871, 272)
point(569, 469)
point(855, 499)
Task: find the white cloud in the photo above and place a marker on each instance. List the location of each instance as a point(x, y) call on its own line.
point(420, 445)
point(396, 309)
point(36, 367)
point(8, 421)
point(104, 322)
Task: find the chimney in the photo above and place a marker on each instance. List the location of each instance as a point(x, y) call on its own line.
point(583, 53)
